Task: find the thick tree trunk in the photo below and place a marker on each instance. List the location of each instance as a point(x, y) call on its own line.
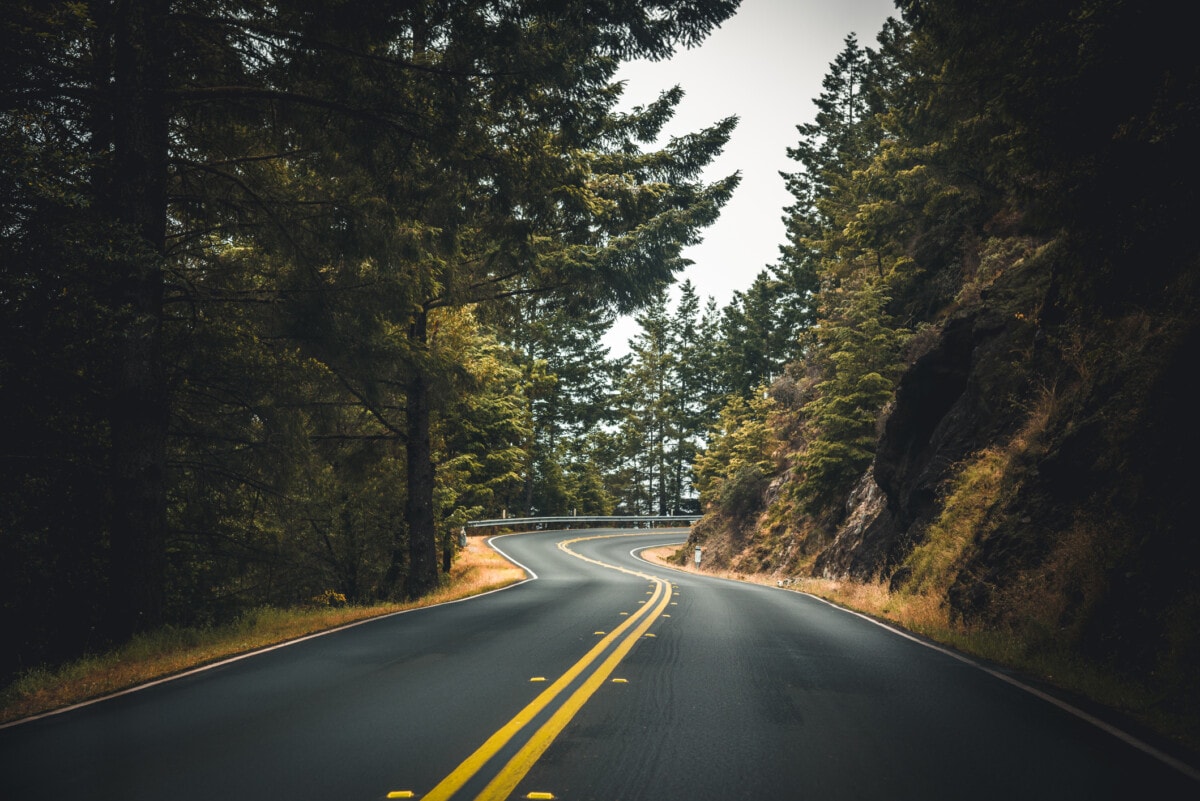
point(422, 535)
point(138, 413)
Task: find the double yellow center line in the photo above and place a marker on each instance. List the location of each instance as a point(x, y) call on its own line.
point(611, 650)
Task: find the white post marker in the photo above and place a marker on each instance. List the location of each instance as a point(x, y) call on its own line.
point(697, 556)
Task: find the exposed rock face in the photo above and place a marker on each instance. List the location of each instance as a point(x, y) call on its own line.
point(945, 409)
point(864, 541)
point(1096, 534)
point(1116, 477)
point(1092, 544)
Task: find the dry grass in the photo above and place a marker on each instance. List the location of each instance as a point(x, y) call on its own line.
point(920, 613)
point(169, 651)
point(477, 570)
point(964, 519)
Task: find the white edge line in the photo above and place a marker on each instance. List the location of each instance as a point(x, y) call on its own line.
point(1124, 736)
point(636, 553)
point(268, 648)
point(492, 544)
point(1120, 734)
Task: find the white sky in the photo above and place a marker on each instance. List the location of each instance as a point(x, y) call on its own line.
point(764, 65)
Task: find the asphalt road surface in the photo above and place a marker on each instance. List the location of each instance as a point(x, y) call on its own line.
point(603, 678)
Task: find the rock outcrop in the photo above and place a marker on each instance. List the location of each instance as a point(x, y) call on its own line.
point(946, 407)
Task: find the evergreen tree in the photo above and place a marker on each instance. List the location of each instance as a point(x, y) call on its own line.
point(647, 396)
point(839, 139)
point(860, 351)
point(690, 386)
point(562, 345)
point(666, 393)
point(556, 207)
point(482, 426)
point(706, 357)
point(485, 208)
point(733, 471)
point(758, 336)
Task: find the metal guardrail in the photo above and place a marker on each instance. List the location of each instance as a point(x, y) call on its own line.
point(582, 519)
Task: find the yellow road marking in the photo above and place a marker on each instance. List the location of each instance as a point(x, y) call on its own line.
point(538, 678)
point(400, 794)
point(533, 796)
point(507, 779)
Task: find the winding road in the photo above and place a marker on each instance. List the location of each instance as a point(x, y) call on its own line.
point(602, 677)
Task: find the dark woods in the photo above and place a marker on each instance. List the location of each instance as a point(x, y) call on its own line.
point(247, 249)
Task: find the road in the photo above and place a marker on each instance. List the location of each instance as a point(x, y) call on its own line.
point(603, 678)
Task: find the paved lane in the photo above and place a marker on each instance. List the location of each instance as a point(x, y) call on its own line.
point(390, 704)
point(741, 692)
point(754, 692)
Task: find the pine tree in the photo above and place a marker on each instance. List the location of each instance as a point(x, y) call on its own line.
point(690, 386)
point(733, 471)
point(756, 340)
point(520, 184)
point(561, 343)
point(647, 396)
point(860, 351)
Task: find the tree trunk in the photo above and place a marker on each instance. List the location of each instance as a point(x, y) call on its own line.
point(531, 471)
point(661, 446)
point(138, 414)
point(422, 536)
point(677, 488)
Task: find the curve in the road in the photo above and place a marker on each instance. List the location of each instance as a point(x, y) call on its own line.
point(746, 691)
point(1108, 728)
point(535, 727)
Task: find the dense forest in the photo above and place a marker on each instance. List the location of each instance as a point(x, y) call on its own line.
point(290, 291)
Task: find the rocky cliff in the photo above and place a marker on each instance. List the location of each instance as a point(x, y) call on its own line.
point(1071, 440)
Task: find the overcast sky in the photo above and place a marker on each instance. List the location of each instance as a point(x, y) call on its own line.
point(765, 66)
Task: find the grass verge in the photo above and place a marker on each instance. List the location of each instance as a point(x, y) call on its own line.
point(173, 650)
